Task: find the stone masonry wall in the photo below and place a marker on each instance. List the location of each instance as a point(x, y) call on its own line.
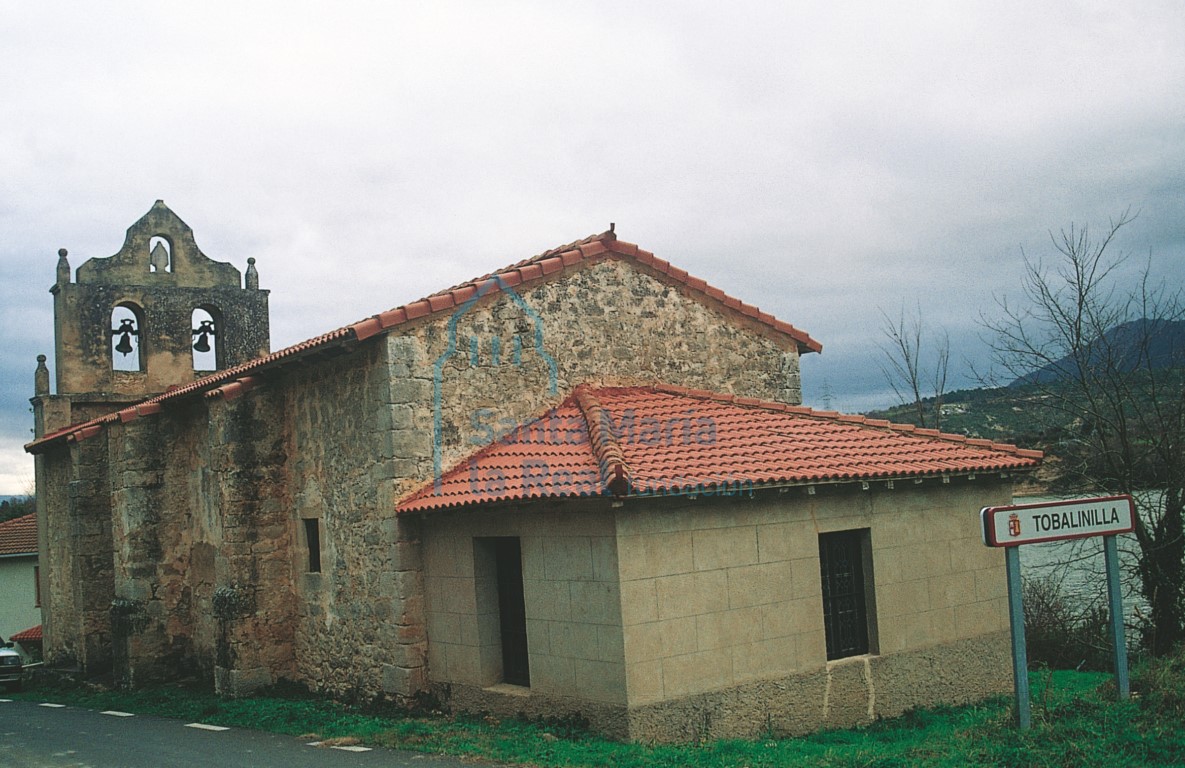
point(75, 526)
point(254, 616)
point(360, 630)
point(164, 547)
point(141, 516)
point(60, 625)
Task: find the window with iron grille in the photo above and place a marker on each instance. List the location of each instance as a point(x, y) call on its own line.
point(848, 611)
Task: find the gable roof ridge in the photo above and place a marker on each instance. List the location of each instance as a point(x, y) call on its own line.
point(844, 418)
point(556, 259)
point(615, 472)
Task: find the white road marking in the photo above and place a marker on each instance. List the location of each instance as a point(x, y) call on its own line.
point(53, 706)
point(206, 727)
point(348, 748)
point(114, 713)
point(5, 701)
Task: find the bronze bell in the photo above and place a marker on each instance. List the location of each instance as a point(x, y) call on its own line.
point(204, 331)
point(124, 346)
point(125, 331)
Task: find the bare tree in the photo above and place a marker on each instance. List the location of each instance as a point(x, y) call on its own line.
point(905, 345)
point(1094, 354)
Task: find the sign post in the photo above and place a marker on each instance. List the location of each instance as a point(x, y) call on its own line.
point(1012, 526)
point(1020, 653)
point(1115, 599)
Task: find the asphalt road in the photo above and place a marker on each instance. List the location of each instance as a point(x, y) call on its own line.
point(34, 735)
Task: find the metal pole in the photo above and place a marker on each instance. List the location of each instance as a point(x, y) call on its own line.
point(1115, 599)
point(1020, 656)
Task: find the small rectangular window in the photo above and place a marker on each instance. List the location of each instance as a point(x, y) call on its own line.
point(849, 608)
point(312, 537)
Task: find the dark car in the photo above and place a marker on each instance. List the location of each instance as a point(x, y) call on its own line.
point(11, 667)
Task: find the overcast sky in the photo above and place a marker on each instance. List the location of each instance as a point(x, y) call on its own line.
point(819, 162)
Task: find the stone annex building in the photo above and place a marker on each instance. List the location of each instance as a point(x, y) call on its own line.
point(583, 484)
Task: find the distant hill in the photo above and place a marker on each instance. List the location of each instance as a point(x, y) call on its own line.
point(1165, 349)
point(1003, 415)
point(1014, 414)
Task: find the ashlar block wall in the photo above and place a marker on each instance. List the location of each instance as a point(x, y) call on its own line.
point(573, 613)
point(722, 609)
point(680, 619)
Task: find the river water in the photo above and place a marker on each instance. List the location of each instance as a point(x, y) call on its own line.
point(1079, 567)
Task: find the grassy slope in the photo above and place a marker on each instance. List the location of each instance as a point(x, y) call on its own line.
point(1076, 723)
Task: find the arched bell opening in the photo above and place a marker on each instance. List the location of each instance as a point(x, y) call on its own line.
point(127, 333)
point(207, 344)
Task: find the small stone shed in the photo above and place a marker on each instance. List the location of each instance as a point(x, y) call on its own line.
point(345, 512)
point(680, 564)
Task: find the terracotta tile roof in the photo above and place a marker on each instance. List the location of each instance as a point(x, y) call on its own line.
point(537, 268)
point(646, 441)
point(30, 635)
point(19, 536)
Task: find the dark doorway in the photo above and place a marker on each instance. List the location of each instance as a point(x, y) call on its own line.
point(512, 611)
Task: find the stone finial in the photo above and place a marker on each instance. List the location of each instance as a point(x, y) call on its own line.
point(252, 275)
point(41, 376)
point(63, 267)
point(159, 258)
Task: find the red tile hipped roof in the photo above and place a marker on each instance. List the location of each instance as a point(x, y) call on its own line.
point(594, 248)
point(662, 440)
point(30, 635)
point(19, 536)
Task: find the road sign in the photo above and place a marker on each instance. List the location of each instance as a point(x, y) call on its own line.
point(1057, 520)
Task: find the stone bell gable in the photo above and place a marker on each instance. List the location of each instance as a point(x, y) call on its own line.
point(148, 298)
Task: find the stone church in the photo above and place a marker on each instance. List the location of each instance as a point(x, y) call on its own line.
point(583, 484)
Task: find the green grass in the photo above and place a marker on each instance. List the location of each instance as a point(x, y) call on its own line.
point(1076, 722)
